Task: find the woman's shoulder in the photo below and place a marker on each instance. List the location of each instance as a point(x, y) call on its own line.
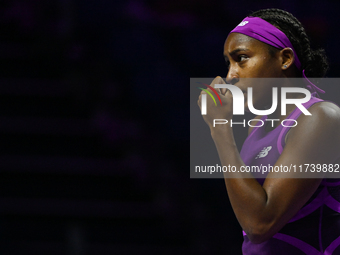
point(322, 124)
point(323, 111)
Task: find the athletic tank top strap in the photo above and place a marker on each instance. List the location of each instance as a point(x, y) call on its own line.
point(294, 115)
point(253, 131)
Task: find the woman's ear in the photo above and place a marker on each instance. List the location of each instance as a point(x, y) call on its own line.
point(288, 58)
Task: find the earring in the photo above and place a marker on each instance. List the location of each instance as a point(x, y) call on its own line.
point(285, 66)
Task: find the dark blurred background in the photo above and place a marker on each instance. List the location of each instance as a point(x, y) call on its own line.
point(93, 158)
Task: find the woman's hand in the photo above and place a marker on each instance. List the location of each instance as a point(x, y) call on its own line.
point(224, 111)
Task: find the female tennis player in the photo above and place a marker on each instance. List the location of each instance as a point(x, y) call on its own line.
point(284, 215)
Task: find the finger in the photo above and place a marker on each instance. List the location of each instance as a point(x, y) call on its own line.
point(223, 90)
point(209, 89)
point(199, 102)
point(219, 80)
point(202, 92)
point(228, 94)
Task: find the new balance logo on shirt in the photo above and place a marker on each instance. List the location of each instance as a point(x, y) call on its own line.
point(264, 152)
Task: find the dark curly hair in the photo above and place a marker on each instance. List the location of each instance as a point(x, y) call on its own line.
point(314, 62)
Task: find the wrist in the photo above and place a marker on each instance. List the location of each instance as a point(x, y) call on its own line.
point(221, 131)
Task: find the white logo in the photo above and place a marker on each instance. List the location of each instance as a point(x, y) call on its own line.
point(264, 152)
point(238, 100)
point(242, 23)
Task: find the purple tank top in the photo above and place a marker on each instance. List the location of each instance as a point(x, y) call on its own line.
point(315, 229)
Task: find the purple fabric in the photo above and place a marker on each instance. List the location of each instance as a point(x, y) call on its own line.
point(320, 227)
point(259, 139)
point(332, 203)
point(330, 249)
point(265, 32)
point(306, 248)
point(326, 183)
point(312, 206)
point(294, 115)
point(311, 86)
point(306, 232)
point(276, 246)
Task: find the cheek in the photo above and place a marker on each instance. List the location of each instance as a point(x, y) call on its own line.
point(258, 69)
point(274, 68)
point(264, 66)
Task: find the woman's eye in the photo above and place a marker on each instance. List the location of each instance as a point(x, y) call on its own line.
point(242, 57)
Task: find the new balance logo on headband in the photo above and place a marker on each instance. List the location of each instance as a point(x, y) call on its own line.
point(242, 23)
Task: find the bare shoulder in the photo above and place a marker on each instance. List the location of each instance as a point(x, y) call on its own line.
point(325, 108)
point(321, 129)
point(325, 116)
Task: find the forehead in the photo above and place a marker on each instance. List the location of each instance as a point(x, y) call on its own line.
point(237, 40)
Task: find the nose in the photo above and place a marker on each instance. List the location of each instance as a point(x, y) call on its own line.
point(232, 76)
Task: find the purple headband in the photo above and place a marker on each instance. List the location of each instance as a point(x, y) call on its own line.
point(263, 31)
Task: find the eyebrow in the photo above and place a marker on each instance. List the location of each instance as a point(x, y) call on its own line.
point(236, 51)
